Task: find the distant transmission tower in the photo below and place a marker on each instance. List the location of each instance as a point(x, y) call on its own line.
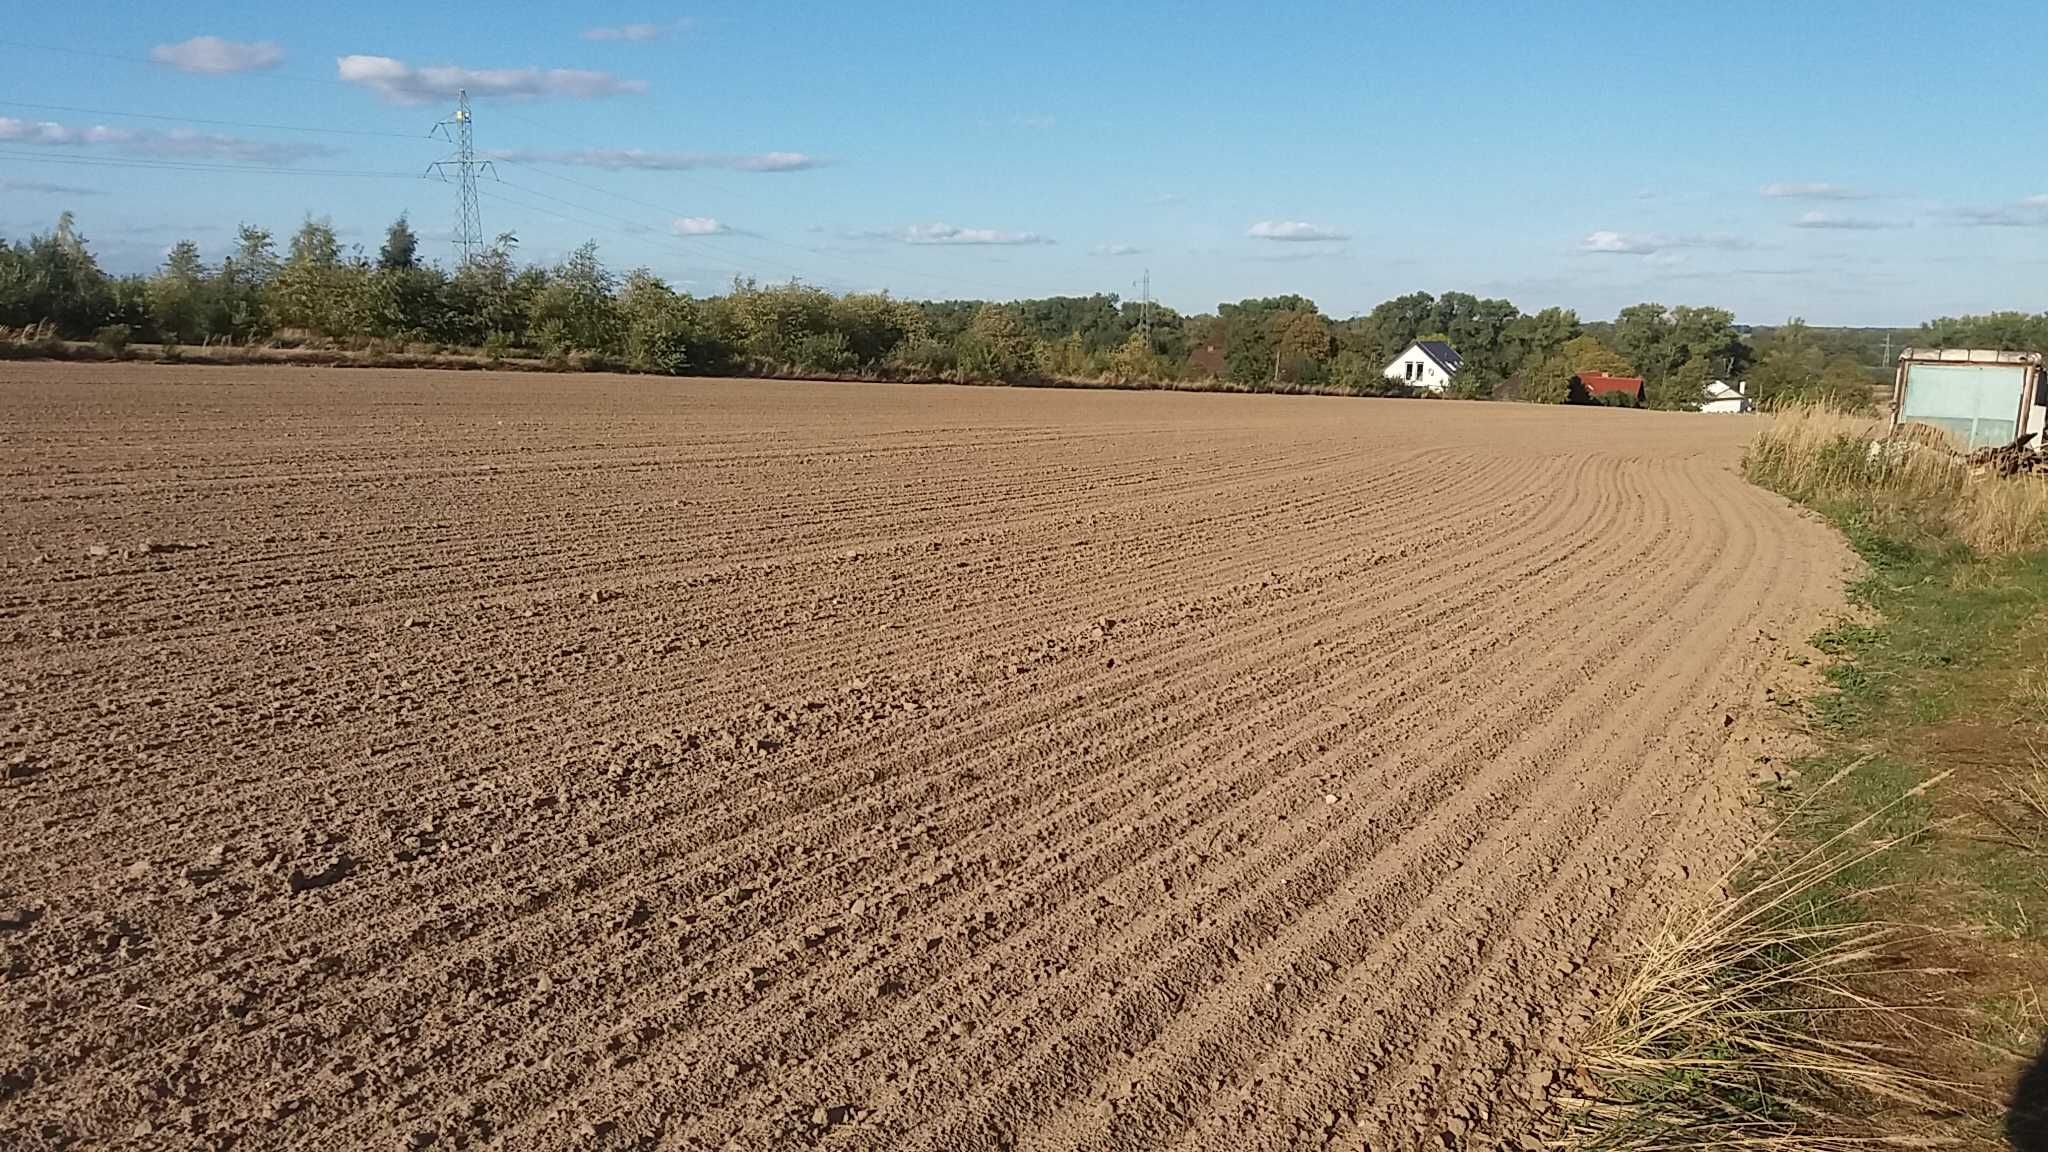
point(459, 131)
point(1145, 309)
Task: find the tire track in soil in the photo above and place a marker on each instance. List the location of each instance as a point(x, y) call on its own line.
point(1458, 905)
point(904, 848)
point(1109, 870)
point(1331, 865)
point(653, 883)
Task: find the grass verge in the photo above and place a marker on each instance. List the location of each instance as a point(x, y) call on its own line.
point(1872, 978)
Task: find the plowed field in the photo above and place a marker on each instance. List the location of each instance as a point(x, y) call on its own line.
point(461, 760)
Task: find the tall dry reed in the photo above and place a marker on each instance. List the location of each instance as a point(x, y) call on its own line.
point(1913, 475)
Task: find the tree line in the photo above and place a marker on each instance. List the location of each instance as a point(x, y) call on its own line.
point(579, 312)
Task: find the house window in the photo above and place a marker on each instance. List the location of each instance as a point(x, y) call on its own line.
point(1413, 368)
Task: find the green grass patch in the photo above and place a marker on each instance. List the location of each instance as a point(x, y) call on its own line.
point(1873, 975)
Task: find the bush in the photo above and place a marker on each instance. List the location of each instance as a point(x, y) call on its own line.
point(925, 359)
point(822, 352)
point(113, 339)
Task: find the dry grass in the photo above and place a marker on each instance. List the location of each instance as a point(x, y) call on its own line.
point(2030, 696)
point(2022, 795)
point(1729, 1034)
point(2003, 517)
point(1819, 455)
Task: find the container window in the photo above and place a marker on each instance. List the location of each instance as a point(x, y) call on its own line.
point(1975, 403)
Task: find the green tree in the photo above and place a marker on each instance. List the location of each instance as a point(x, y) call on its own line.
point(1170, 337)
point(1845, 383)
point(1066, 358)
point(996, 346)
point(1709, 336)
point(874, 325)
point(53, 278)
point(1684, 389)
point(1643, 335)
point(1543, 334)
point(1549, 381)
point(400, 252)
point(1134, 361)
point(1474, 382)
point(1394, 324)
point(489, 297)
point(1252, 331)
point(1361, 374)
point(1790, 367)
point(574, 306)
point(1588, 354)
point(408, 302)
point(1093, 320)
point(781, 322)
point(1302, 341)
point(317, 290)
point(177, 295)
point(2002, 331)
point(256, 254)
point(237, 295)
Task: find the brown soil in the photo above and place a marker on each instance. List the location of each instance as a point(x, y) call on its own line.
point(432, 759)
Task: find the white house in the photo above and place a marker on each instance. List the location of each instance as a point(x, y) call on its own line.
point(1725, 397)
point(1428, 364)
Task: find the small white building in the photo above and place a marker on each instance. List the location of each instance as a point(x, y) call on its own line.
point(1427, 364)
point(1725, 397)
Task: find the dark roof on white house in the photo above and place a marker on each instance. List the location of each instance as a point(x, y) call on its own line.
point(1446, 357)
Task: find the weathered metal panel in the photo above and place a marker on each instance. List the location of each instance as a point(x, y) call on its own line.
point(1977, 403)
point(1983, 397)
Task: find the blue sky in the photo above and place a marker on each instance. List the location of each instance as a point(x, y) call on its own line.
point(1862, 163)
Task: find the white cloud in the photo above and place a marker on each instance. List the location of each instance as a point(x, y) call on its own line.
point(1295, 230)
point(402, 83)
point(1116, 250)
point(217, 57)
point(639, 159)
point(1614, 243)
point(2031, 212)
point(948, 234)
point(49, 132)
point(1813, 191)
point(1831, 221)
point(1610, 243)
point(633, 33)
point(699, 226)
point(177, 144)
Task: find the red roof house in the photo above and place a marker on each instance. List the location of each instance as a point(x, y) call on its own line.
point(1590, 387)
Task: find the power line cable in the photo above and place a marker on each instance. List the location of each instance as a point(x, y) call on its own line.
point(217, 123)
point(200, 166)
point(862, 264)
point(295, 77)
point(635, 225)
point(281, 170)
point(635, 232)
point(741, 235)
point(534, 166)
